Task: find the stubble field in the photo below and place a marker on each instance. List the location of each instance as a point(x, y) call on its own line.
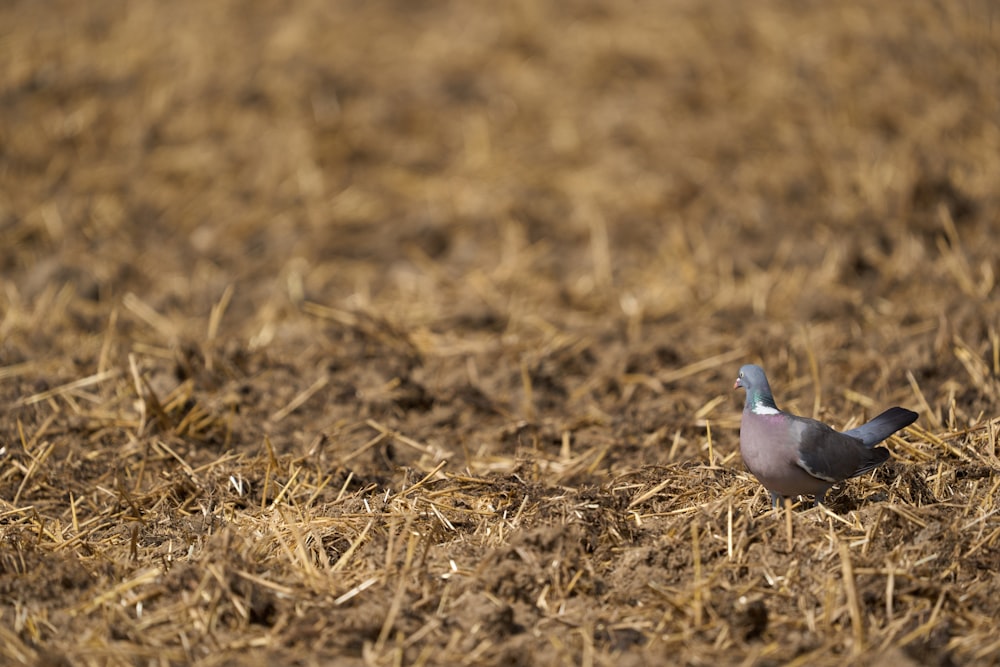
point(404, 332)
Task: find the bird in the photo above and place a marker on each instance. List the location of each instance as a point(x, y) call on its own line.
point(797, 456)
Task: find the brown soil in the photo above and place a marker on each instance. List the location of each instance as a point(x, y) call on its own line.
point(404, 332)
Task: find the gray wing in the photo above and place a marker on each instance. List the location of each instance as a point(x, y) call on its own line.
point(832, 456)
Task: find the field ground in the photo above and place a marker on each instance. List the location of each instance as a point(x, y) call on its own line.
point(404, 332)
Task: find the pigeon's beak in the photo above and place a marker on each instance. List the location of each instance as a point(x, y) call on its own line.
point(737, 384)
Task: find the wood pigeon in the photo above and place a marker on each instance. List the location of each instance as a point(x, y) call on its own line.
point(793, 456)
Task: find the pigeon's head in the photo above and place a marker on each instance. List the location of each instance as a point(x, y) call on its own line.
point(759, 397)
point(751, 377)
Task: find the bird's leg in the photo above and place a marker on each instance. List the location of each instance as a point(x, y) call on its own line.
point(776, 501)
point(820, 499)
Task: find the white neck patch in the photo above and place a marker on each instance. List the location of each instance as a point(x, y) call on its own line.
point(759, 409)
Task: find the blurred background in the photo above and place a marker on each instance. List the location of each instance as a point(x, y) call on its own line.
point(666, 182)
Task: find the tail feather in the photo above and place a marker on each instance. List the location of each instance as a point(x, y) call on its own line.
point(883, 426)
point(876, 457)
